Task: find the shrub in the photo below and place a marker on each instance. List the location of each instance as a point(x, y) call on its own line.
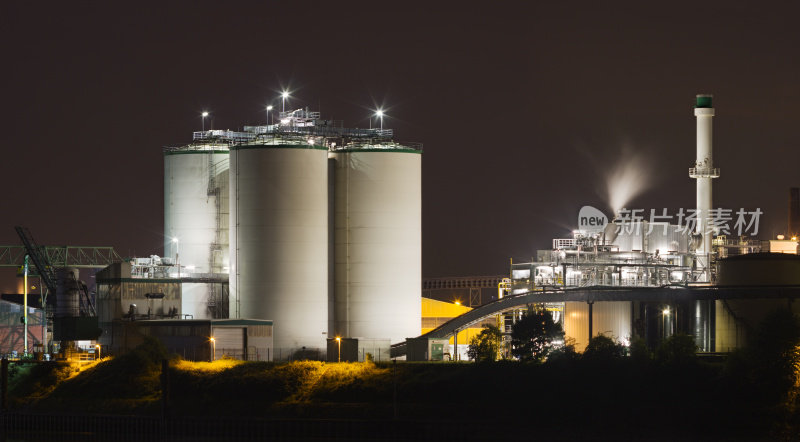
point(601, 348)
point(678, 349)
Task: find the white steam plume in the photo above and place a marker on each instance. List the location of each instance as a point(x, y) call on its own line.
point(628, 178)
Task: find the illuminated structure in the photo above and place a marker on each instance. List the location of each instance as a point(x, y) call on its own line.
point(279, 237)
point(303, 216)
point(436, 313)
point(704, 171)
point(378, 240)
point(196, 220)
point(640, 254)
point(652, 256)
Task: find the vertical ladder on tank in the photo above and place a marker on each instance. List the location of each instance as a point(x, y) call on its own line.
point(214, 298)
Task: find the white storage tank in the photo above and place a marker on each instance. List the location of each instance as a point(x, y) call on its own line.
point(609, 318)
point(378, 241)
point(279, 240)
point(196, 214)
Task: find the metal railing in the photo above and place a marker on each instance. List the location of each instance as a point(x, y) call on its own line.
point(225, 135)
point(563, 243)
point(701, 172)
point(333, 131)
point(352, 138)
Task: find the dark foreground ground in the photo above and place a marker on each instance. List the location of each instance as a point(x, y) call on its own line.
point(128, 398)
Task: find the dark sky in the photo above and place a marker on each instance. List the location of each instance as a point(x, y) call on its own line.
point(523, 107)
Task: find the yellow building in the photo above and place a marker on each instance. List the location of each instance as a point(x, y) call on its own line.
point(436, 313)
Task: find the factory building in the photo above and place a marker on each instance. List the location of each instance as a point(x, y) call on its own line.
point(12, 331)
point(200, 339)
point(315, 227)
point(736, 318)
point(641, 255)
point(435, 313)
point(628, 254)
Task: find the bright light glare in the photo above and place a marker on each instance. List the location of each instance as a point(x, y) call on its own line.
point(175, 240)
point(269, 108)
point(338, 339)
point(205, 114)
point(379, 113)
point(665, 311)
point(285, 94)
point(212, 339)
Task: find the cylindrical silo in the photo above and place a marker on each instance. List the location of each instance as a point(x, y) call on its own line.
point(279, 241)
point(68, 293)
point(196, 215)
point(609, 318)
point(378, 242)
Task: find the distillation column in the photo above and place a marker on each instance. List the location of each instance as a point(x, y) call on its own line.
point(704, 172)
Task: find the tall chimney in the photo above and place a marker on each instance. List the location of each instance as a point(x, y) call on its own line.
point(793, 227)
point(704, 171)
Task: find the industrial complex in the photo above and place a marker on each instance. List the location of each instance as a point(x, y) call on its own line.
point(302, 239)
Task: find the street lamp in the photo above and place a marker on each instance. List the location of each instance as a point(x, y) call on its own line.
point(177, 255)
point(203, 120)
point(25, 305)
point(665, 314)
point(284, 96)
point(97, 346)
point(269, 108)
point(339, 341)
point(379, 114)
point(213, 348)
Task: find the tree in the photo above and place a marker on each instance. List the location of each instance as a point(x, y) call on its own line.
point(565, 353)
point(678, 349)
point(532, 337)
point(485, 346)
point(639, 352)
point(601, 348)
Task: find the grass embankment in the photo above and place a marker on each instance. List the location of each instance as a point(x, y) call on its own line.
point(127, 384)
point(132, 384)
point(622, 397)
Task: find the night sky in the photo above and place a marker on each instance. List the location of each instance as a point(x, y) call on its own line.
point(524, 108)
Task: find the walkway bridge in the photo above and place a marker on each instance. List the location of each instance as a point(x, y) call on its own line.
point(590, 295)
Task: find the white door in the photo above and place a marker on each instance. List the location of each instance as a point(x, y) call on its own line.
point(229, 341)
